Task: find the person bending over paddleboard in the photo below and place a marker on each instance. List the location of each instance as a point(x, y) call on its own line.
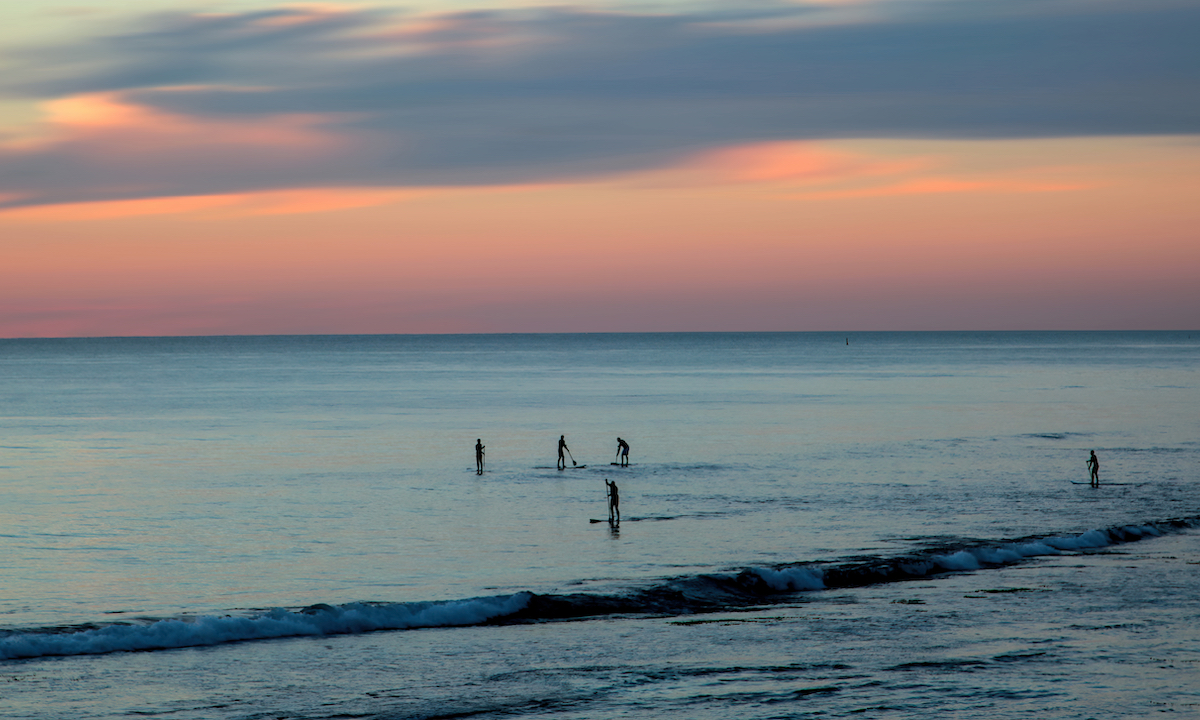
point(623, 451)
point(1094, 465)
point(562, 446)
point(614, 503)
point(479, 456)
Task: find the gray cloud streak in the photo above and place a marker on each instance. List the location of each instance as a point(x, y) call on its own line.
point(516, 96)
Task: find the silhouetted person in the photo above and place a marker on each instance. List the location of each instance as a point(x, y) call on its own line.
point(562, 446)
point(479, 456)
point(1094, 465)
point(614, 503)
point(623, 451)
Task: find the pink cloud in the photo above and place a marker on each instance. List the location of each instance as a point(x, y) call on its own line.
point(112, 148)
point(109, 123)
point(272, 202)
point(832, 171)
point(799, 163)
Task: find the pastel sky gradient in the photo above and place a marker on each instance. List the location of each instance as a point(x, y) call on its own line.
point(253, 167)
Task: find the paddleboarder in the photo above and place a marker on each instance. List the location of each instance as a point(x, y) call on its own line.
point(1094, 465)
point(614, 502)
point(562, 446)
point(623, 452)
point(479, 456)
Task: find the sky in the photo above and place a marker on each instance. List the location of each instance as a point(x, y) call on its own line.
point(175, 167)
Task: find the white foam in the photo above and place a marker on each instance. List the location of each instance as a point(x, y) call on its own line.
point(961, 560)
point(1035, 548)
point(213, 630)
point(1089, 539)
point(974, 558)
point(967, 559)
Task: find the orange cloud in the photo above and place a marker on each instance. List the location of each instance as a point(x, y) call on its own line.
point(775, 166)
point(274, 202)
point(108, 124)
point(792, 162)
point(833, 171)
point(117, 208)
point(790, 170)
point(438, 32)
point(302, 14)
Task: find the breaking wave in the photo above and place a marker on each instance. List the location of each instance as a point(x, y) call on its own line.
point(675, 596)
point(275, 623)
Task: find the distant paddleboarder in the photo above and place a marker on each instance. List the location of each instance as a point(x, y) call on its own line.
point(479, 456)
point(562, 446)
point(1094, 465)
point(614, 503)
point(623, 452)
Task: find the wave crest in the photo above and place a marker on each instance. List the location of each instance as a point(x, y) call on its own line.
point(275, 623)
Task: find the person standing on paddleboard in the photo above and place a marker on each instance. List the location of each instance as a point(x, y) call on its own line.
point(479, 456)
point(562, 446)
point(1094, 465)
point(614, 502)
point(623, 452)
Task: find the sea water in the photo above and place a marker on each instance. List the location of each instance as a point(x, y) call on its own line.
point(813, 525)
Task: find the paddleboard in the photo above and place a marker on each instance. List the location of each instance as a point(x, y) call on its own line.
point(620, 465)
point(1080, 482)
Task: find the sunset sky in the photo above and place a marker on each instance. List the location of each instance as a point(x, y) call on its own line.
point(178, 167)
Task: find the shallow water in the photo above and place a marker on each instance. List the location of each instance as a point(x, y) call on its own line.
point(170, 492)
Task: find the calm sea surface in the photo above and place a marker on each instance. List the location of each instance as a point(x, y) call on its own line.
point(813, 525)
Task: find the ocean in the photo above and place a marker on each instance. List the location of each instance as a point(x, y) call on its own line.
point(817, 525)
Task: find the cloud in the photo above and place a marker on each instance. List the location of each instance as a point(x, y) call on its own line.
point(300, 97)
point(824, 171)
point(792, 163)
point(265, 202)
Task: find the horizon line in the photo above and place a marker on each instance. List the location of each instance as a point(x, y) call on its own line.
point(841, 333)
